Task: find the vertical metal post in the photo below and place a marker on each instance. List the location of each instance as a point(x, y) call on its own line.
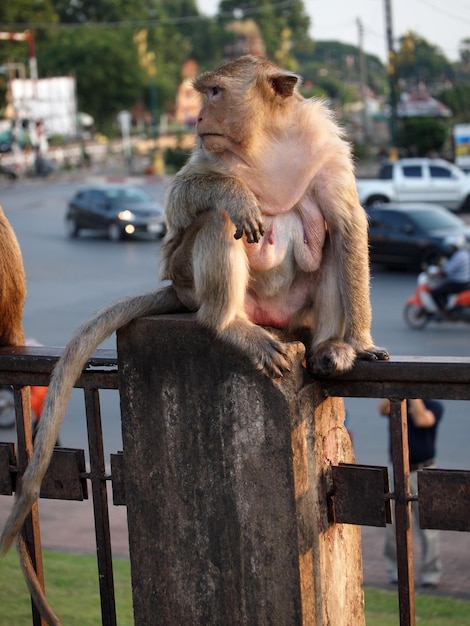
point(403, 525)
point(363, 83)
point(391, 69)
point(100, 507)
point(30, 532)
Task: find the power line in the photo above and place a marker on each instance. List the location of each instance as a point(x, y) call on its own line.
point(189, 19)
point(446, 12)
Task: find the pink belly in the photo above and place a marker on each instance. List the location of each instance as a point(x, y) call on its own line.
point(277, 311)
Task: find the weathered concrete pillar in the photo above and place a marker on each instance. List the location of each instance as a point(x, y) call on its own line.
point(226, 480)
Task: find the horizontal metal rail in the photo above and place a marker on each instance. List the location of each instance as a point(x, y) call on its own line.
point(359, 495)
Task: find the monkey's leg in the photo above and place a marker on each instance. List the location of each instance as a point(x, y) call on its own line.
point(328, 351)
point(334, 348)
point(221, 276)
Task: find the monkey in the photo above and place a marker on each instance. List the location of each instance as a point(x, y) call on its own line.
point(12, 286)
point(13, 289)
point(277, 167)
point(266, 240)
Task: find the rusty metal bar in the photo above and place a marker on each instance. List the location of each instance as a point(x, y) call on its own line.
point(403, 525)
point(100, 507)
point(30, 532)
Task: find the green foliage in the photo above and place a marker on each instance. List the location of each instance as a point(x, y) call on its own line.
point(27, 11)
point(175, 158)
point(105, 64)
point(23, 12)
point(422, 136)
point(94, 41)
point(333, 62)
point(458, 99)
point(418, 60)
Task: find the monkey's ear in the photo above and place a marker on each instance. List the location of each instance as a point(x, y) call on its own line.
point(284, 84)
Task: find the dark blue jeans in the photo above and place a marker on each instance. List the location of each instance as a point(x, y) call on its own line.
point(445, 289)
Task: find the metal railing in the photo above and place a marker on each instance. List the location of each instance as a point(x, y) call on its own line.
point(359, 495)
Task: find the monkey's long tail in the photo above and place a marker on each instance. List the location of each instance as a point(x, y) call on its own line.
point(84, 342)
point(33, 583)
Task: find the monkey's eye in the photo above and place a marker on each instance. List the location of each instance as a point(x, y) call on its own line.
point(214, 91)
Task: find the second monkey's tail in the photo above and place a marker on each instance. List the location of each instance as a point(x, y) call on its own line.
point(83, 344)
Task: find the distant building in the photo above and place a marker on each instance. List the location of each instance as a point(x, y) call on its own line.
point(421, 104)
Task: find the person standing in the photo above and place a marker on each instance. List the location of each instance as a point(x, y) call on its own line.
point(423, 417)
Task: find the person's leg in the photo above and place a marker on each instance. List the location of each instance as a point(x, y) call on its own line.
point(431, 566)
point(441, 293)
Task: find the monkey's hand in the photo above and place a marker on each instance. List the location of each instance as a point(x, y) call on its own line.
point(248, 221)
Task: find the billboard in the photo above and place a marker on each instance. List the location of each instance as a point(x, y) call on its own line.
point(462, 145)
point(51, 102)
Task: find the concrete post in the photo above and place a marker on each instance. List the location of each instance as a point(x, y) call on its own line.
point(226, 480)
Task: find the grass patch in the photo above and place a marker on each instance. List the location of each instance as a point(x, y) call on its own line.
point(382, 609)
point(72, 589)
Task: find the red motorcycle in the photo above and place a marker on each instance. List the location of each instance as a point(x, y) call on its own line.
point(420, 308)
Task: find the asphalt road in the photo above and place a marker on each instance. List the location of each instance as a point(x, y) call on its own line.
point(70, 279)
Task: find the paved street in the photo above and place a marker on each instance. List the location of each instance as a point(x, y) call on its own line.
point(69, 279)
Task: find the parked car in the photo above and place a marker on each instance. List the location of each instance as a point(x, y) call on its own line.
point(411, 235)
point(417, 180)
point(119, 210)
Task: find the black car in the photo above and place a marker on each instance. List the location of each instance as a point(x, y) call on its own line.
point(119, 210)
point(411, 235)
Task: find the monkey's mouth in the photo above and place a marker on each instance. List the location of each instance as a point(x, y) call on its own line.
point(209, 135)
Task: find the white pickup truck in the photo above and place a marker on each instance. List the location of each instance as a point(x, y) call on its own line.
point(418, 180)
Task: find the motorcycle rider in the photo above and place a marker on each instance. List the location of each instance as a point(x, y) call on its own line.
point(455, 270)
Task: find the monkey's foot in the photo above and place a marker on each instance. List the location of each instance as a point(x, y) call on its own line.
point(267, 353)
point(336, 357)
point(271, 357)
point(373, 353)
point(331, 357)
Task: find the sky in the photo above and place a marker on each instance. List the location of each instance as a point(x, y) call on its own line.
point(443, 23)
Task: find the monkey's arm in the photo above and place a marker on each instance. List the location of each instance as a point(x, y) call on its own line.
point(197, 188)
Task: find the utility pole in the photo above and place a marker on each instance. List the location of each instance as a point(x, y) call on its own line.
point(391, 68)
point(363, 87)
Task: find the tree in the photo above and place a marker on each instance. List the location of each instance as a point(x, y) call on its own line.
point(422, 136)
point(105, 64)
point(98, 48)
point(458, 99)
point(340, 62)
point(419, 61)
point(18, 13)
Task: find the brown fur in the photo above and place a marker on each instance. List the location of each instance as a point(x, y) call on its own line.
point(264, 229)
point(12, 286)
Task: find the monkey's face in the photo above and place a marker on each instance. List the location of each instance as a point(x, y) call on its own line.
point(218, 125)
point(245, 99)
